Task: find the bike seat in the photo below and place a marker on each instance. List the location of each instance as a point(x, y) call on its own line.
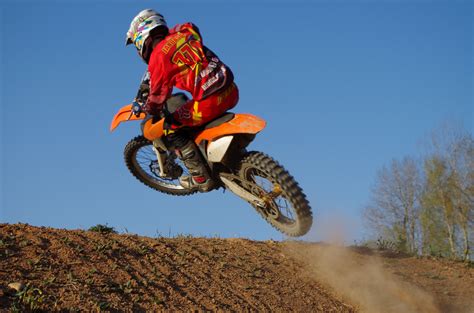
point(220, 120)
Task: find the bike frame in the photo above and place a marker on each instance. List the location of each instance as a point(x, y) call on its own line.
point(214, 142)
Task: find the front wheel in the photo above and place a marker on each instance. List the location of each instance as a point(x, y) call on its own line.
point(286, 207)
point(142, 162)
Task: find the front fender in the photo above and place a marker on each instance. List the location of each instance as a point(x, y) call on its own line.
point(124, 115)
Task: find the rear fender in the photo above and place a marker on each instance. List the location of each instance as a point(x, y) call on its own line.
point(124, 115)
point(240, 124)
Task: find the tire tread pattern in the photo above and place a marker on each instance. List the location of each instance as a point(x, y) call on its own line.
point(290, 187)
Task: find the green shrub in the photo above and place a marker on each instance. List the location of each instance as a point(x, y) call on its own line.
point(103, 229)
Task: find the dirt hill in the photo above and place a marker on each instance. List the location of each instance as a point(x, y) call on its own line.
point(78, 270)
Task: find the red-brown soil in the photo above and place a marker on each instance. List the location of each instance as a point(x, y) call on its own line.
point(386, 281)
point(76, 270)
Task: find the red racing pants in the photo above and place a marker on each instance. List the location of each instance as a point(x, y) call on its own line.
point(195, 113)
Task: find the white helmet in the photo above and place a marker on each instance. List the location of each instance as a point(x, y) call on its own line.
point(140, 30)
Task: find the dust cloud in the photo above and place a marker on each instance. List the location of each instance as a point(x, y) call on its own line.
point(359, 279)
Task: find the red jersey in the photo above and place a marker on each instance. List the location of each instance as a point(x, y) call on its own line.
point(181, 60)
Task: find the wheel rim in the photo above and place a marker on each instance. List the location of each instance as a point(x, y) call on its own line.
point(278, 208)
point(147, 164)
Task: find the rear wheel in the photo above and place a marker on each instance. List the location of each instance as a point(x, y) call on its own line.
point(286, 207)
point(142, 162)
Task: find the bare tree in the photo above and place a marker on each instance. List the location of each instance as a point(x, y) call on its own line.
point(451, 156)
point(429, 211)
point(394, 206)
point(438, 197)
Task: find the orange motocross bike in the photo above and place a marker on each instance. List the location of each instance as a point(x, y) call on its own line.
point(253, 176)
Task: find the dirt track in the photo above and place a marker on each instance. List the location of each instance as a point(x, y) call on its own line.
point(83, 270)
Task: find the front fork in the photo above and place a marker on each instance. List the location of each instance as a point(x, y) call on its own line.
point(160, 150)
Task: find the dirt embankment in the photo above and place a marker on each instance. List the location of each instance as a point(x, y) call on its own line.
point(88, 271)
point(389, 282)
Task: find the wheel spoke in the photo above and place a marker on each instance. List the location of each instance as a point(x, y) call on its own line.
point(283, 203)
point(265, 186)
point(142, 159)
point(146, 157)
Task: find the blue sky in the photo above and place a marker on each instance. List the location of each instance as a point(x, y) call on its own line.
point(345, 87)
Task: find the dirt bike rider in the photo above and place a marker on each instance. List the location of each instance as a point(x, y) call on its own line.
point(177, 58)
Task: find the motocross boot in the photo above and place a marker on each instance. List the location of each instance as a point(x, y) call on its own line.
point(200, 179)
